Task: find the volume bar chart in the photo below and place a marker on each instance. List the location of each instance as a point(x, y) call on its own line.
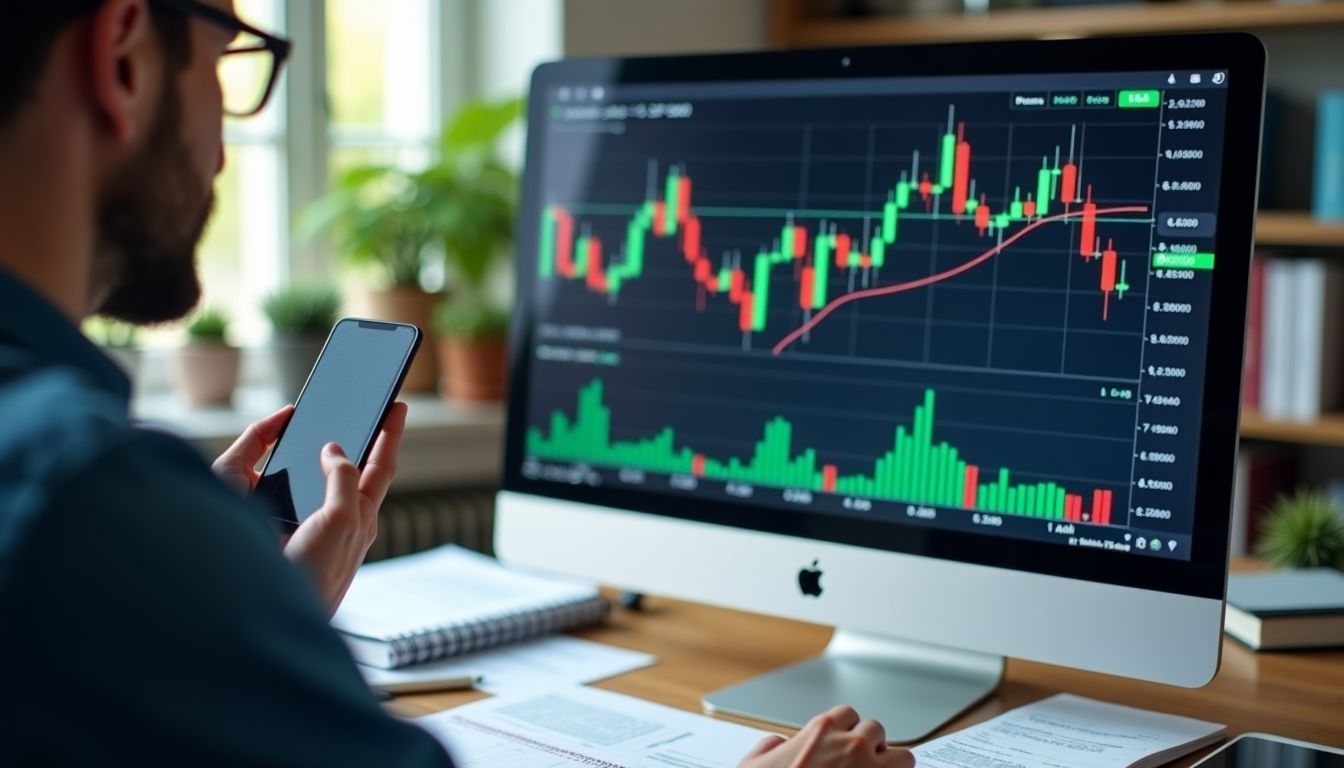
point(918, 469)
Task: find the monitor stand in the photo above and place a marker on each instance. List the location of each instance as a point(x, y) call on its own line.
point(911, 688)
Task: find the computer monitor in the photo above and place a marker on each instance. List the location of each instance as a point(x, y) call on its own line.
point(959, 327)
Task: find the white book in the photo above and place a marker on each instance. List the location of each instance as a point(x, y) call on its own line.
point(450, 601)
point(1277, 342)
point(1309, 314)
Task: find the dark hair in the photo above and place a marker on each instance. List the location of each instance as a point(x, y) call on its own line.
point(37, 23)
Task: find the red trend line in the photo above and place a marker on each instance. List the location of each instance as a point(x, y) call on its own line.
point(941, 276)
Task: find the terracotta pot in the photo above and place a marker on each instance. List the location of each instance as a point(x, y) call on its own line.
point(474, 370)
point(292, 359)
point(411, 305)
point(206, 373)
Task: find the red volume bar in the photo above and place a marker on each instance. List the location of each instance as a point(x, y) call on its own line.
point(1101, 507)
point(828, 477)
point(1087, 241)
point(971, 491)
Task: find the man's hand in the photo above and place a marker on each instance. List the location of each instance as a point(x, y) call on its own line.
point(332, 542)
point(837, 738)
point(238, 465)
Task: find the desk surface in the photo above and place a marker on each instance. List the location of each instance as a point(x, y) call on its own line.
point(700, 649)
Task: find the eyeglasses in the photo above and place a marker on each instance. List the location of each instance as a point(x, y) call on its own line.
point(250, 67)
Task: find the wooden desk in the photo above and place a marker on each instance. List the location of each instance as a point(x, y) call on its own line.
point(701, 649)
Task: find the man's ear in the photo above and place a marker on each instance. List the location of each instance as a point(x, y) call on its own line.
point(123, 59)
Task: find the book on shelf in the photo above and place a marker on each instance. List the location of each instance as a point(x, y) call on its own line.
point(1282, 610)
point(1295, 348)
point(450, 601)
point(1327, 200)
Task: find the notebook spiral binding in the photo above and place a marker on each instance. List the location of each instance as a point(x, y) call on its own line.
point(458, 639)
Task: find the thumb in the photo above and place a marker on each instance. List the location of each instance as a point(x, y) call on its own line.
point(764, 745)
point(342, 478)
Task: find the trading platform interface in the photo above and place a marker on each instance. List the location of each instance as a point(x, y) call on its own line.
point(969, 303)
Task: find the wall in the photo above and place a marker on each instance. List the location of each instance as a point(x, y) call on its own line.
point(606, 27)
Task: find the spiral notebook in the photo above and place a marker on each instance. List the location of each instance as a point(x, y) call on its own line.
point(449, 601)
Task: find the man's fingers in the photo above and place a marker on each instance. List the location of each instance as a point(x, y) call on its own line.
point(842, 717)
point(764, 745)
point(873, 732)
point(381, 468)
point(342, 479)
point(898, 758)
point(256, 440)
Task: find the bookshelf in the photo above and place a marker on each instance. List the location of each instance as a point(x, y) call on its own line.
point(794, 25)
point(1327, 431)
point(1297, 229)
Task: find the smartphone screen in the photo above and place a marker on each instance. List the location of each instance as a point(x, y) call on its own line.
point(347, 396)
point(1257, 752)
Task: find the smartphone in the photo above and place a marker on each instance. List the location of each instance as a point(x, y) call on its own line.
point(1261, 750)
point(345, 401)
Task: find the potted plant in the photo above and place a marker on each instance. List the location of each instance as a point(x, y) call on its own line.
point(472, 201)
point(471, 339)
point(399, 223)
point(301, 317)
point(117, 340)
point(1305, 530)
point(206, 367)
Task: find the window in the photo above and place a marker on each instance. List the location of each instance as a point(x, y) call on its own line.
point(241, 254)
point(366, 82)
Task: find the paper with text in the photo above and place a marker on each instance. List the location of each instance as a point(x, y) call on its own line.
point(585, 726)
point(1066, 731)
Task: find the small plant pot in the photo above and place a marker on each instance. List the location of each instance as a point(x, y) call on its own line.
point(474, 370)
point(292, 358)
point(206, 373)
point(410, 305)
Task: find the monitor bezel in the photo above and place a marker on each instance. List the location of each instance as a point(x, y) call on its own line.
point(1242, 56)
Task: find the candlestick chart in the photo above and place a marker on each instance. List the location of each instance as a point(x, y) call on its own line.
point(918, 307)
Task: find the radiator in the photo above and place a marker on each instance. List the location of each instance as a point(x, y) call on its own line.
point(412, 522)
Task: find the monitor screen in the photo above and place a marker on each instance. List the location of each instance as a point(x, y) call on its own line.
point(966, 315)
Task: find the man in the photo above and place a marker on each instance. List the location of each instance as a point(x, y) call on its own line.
point(147, 615)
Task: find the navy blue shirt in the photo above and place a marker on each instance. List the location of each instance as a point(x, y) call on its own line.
point(147, 615)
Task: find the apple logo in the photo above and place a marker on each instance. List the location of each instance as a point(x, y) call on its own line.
point(809, 580)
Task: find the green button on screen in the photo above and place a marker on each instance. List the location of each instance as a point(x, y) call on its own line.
point(1140, 99)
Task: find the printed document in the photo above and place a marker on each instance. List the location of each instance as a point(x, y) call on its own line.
point(1066, 731)
point(585, 726)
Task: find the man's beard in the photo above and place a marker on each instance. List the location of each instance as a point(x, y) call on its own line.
point(150, 219)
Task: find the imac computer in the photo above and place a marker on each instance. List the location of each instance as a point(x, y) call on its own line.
point(938, 345)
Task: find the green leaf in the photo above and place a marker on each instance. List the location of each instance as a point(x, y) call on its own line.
point(480, 123)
